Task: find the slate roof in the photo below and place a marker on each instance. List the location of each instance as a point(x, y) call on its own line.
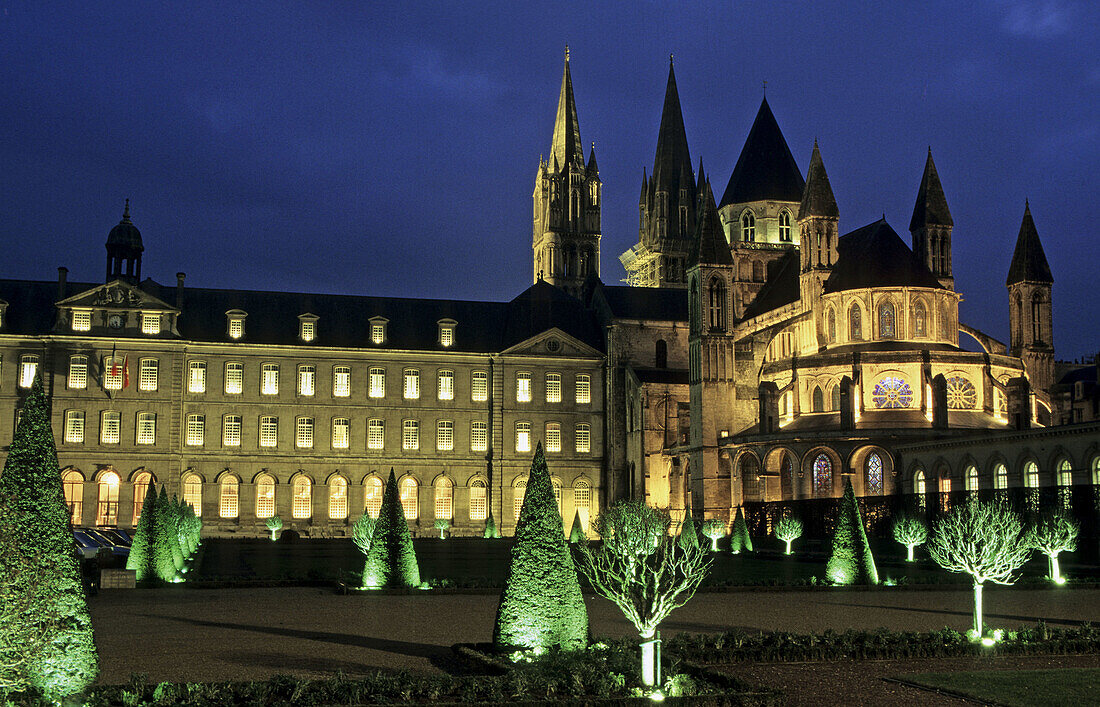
point(931, 207)
point(1029, 262)
point(781, 287)
point(709, 245)
point(657, 303)
point(766, 169)
point(817, 197)
point(875, 256)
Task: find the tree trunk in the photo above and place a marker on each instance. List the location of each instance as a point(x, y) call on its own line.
point(649, 659)
point(1055, 570)
point(911, 548)
point(714, 544)
point(978, 608)
point(788, 546)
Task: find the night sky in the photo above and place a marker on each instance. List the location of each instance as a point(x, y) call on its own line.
point(391, 148)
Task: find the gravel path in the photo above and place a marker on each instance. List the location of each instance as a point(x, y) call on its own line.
point(239, 634)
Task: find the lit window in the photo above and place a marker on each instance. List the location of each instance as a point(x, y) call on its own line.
point(748, 227)
point(231, 431)
point(412, 384)
point(855, 324)
point(584, 438)
point(196, 378)
point(873, 479)
point(147, 374)
point(410, 435)
point(971, 478)
point(961, 394)
point(444, 498)
point(109, 427)
point(523, 387)
point(192, 492)
point(307, 378)
point(141, 489)
point(518, 492)
point(378, 331)
point(582, 499)
point(785, 226)
point(341, 381)
point(377, 383)
point(892, 392)
point(78, 373)
point(479, 386)
point(269, 431)
point(446, 334)
point(376, 434)
point(584, 389)
point(82, 320)
point(269, 380)
point(1065, 473)
point(146, 427)
point(523, 436)
point(150, 322)
point(945, 485)
point(74, 426)
point(338, 498)
point(446, 385)
point(553, 387)
point(479, 436)
point(373, 496)
point(265, 496)
point(308, 330)
point(107, 508)
point(1096, 471)
point(822, 476)
point(1000, 477)
point(228, 506)
point(341, 432)
point(557, 493)
point(302, 505)
point(234, 378)
point(303, 434)
point(886, 321)
point(235, 324)
point(479, 507)
point(196, 430)
point(114, 371)
point(409, 500)
point(445, 435)
point(1031, 475)
point(28, 367)
point(919, 486)
point(553, 437)
point(920, 320)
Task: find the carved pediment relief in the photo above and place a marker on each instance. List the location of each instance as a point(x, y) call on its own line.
point(552, 342)
point(117, 295)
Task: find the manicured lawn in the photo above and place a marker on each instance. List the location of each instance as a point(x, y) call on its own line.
point(1066, 686)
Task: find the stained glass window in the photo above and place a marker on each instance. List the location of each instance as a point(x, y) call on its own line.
point(892, 392)
point(920, 320)
point(886, 321)
point(823, 475)
point(874, 474)
point(961, 394)
point(855, 325)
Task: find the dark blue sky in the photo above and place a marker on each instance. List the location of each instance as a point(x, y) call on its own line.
point(391, 148)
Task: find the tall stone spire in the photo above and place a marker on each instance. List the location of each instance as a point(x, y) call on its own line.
point(566, 148)
point(710, 247)
point(817, 197)
point(1029, 261)
point(673, 159)
point(1031, 310)
point(931, 226)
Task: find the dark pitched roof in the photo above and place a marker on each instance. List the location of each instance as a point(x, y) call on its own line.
point(709, 246)
point(125, 234)
point(931, 207)
point(592, 167)
point(781, 289)
point(672, 162)
point(1029, 262)
point(543, 306)
point(766, 169)
point(566, 149)
point(657, 303)
point(875, 256)
point(817, 197)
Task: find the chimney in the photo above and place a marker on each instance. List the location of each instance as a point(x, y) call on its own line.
point(179, 289)
point(62, 278)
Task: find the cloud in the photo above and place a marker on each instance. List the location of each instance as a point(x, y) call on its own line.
point(1037, 19)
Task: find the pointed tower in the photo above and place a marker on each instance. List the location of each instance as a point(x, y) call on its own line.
point(1031, 315)
point(667, 206)
point(931, 226)
point(711, 379)
point(566, 233)
point(818, 219)
point(124, 250)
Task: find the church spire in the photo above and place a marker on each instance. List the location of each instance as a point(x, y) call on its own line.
point(931, 226)
point(673, 159)
point(710, 247)
point(566, 147)
point(931, 207)
point(1029, 262)
point(817, 197)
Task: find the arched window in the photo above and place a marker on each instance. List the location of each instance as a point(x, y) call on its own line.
point(582, 499)
point(830, 325)
point(228, 495)
point(73, 483)
point(661, 354)
point(748, 227)
point(479, 507)
point(971, 478)
point(785, 226)
point(835, 401)
point(107, 509)
point(818, 400)
point(141, 488)
point(716, 307)
point(855, 324)
point(873, 478)
point(338, 498)
point(192, 492)
point(518, 492)
point(920, 319)
point(886, 321)
point(693, 303)
point(945, 323)
point(557, 493)
point(444, 498)
point(373, 496)
point(1065, 473)
point(302, 507)
point(409, 501)
point(822, 476)
point(892, 392)
point(1031, 475)
point(1037, 318)
point(265, 496)
point(1000, 477)
point(961, 394)
point(918, 482)
point(1096, 471)
point(945, 483)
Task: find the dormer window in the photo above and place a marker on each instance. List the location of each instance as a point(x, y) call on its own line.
point(82, 319)
point(446, 332)
point(234, 320)
point(307, 327)
point(150, 322)
point(378, 330)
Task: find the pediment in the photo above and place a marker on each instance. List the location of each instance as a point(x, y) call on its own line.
point(117, 295)
point(553, 342)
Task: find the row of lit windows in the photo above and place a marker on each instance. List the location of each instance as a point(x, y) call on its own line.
point(1030, 476)
point(748, 226)
point(150, 321)
point(888, 326)
point(307, 328)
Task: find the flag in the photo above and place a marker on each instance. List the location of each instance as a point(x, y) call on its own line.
point(114, 372)
point(126, 372)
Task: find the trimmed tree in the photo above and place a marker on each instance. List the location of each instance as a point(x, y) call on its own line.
point(851, 561)
point(910, 531)
point(739, 536)
point(362, 532)
point(714, 529)
point(165, 540)
point(1053, 534)
point(39, 548)
point(141, 548)
point(985, 540)
point(576, 533)
point(689, 537)
point(788, 529)
point(391, 560)
point(442, 525)
point(643, 570)
point(274, 524)
point(491, 529)
point(541, 605)
point(175, 532)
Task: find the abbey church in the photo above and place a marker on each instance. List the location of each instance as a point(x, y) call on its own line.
point(758, 352)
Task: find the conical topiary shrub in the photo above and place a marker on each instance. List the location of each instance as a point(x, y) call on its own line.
point(175, 529)
point(576, 533)
point(41, 549)
point(851, 562)
point(689, 538)
point(541, 605)
point(739, 536)
point(141, 547)
point(391, 560)
point(164, 538)
point(491, 528)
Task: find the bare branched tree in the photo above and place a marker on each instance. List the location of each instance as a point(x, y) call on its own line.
point(1054, 534)
point(986, 540)
point(788, 529)
point(910, 531)
point(715, 530)
point(643, 570)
